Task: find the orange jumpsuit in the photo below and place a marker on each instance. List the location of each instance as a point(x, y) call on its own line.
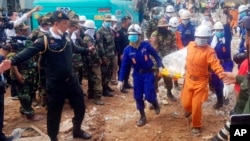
point(178, 40)
point(195, 90)
point(234, 21)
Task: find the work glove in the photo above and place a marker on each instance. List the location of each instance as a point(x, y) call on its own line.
point(119, 85)
point(160, 70)
point(228, 89)
point(238, 29)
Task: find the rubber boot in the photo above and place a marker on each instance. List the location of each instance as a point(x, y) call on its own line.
point(106, 92)
point(170, 96)
point(156, 107)
point(219, 94)
point(78, 132)
point(142, 121)
point(127, 85)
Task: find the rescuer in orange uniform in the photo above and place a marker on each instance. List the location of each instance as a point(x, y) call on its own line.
point(200, 57)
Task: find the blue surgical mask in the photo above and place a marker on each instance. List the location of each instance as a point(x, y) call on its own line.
point(219, 34)
point(133, 38)
point(107, 24)
point(243, 14)
point(156, 17)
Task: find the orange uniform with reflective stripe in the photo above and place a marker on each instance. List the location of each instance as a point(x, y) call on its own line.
point(178, 40)
point(195, 90)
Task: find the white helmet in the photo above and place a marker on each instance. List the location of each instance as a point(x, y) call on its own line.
point(203, 31)
point(185, 15)
point(242, 8)
point(218, 25)
point(174, 22)
point(113, 18)
point(170, 9)
point(180, 11)
point(82, 18)
point(134, 29)
point(89, 24)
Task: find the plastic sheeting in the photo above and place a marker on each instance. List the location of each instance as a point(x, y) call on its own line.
point(174, 64)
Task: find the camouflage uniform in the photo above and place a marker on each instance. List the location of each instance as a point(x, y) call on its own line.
point(106, 49)
point(93, 67)
point(26, 91)
point(164, 45)
point(151, 27)
point(40, 77)
point(77, 66)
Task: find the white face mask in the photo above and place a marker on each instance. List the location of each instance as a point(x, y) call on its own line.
point(201, 42)
point(185, 22)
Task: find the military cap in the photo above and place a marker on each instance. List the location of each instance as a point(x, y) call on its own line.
point(59, 15)
point(22, 26)
point(107, 17)
point(44, 20)
point(74, 23)
point(246, 22)
point(162, 23)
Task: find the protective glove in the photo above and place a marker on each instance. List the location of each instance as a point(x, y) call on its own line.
point(228, 89)
point(160, 70)
point(238, 29)
point(119, 85)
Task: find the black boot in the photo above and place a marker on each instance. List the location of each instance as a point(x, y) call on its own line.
point(156, 107)
point(109, 89)
point(170, 96)
point(124, 90)
point(219, 94)
point(78, 132)
point(106, 92)
point(142, 121)
point(127, 85)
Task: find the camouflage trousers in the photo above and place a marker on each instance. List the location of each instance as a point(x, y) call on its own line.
point(107, 71)
point(26, 91)
point(94, 81)
point(41, 87)
point(167, 81)
point(79, 71)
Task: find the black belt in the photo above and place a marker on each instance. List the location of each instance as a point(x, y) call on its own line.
point(143, 71)
point(225, 60)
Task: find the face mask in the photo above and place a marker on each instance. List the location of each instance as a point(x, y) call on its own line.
point(201, 42)
point(156, 17)
point(172, 29)
point(243, 14)
point(107, 24)
point(133, 38)
point(207, 18)
point(219, 34)
point(169, 14)
point(185, 22)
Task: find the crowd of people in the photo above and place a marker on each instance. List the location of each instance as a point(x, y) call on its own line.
point(67, 48)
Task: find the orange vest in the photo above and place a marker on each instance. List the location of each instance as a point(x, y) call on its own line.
point(178, 40)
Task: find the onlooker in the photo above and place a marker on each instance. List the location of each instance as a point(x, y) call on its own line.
point(13, 15)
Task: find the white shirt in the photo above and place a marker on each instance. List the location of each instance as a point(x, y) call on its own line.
point(54, 35)
point(11, 32)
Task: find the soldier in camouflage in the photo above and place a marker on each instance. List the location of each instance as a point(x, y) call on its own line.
point(93, 65)
point(163, 41)
point(44, 24)
point(152, 23)
point(106, 49)
point(77, 58)
point(25, 74)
